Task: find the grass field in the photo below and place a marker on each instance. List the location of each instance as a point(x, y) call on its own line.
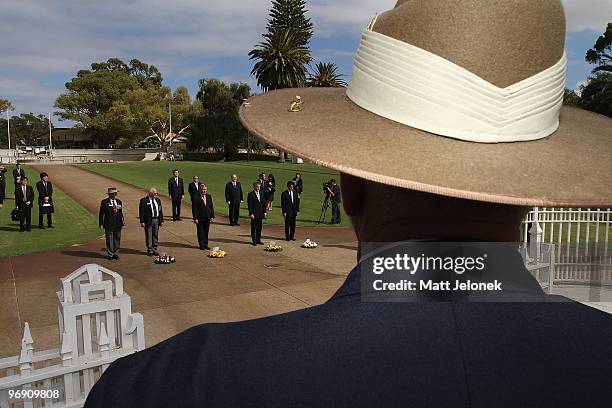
point(73, 223)
point(216, 175)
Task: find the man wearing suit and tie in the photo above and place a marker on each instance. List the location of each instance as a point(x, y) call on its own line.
point(290, 204)
point(176, 191)
point(233, 196)
point(18, 174)
point(24, 197)
point(111, 220)
point(151, 219)
point(194, 188)
point(257, 212)
point(45, 200)
point(203, 214)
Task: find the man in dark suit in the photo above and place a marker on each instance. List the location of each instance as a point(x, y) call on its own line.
point(24, 197)
point(194, 188)
point(45, 200)
point(18, 174)
point(257, 205)
point(290, 204)
point(234, 197)
point(151, 219)
point(203, 214)
point(111, 220)
point(176, 191)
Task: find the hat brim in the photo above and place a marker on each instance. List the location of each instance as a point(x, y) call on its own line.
point(570, 168)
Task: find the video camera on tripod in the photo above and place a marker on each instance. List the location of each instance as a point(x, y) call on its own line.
point(326, 187)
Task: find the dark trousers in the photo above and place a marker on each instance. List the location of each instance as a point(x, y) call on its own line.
point(113, 241)
point(335, 212)
point(26, 223)
point(202, 229)
point(256, 225)
point(151, 235)
point(41, 216)
point(2, 191)
point(234, 213)
point(290, 227)
point(176, 208)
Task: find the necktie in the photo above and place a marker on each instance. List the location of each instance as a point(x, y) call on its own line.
point(114, 205)
point(204, 199)
point(291, 195)
point(25, 196)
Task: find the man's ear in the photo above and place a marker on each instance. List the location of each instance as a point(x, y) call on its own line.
point(353, 190)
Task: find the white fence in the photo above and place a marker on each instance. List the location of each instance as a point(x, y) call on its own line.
point(572, 244)
point(96, 327)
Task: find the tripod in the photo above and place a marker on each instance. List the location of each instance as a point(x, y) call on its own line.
point(324, 208)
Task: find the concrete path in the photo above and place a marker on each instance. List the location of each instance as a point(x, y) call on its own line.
point(247, 284)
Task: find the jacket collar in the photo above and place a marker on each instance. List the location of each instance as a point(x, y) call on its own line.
point(504, 263)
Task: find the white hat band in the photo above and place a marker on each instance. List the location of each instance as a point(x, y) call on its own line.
point(409, 85)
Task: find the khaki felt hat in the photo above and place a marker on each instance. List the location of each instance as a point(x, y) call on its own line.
point(112, 190)
point(503, 42)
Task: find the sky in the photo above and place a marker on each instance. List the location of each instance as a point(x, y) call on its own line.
point(43, 43)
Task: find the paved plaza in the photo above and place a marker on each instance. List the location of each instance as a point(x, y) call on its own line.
point(249, 283)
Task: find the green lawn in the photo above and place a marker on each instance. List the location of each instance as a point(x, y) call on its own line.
point(216, 175)
point(73, 223)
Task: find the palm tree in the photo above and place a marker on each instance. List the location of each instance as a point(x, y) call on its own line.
point(280, 60)
point(325, 75)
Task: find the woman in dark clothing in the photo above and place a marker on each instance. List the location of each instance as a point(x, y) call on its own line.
point(2, 185)
point(299, 184)
point(270, 190)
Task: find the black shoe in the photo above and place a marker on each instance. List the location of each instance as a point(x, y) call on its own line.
point(150, 254)
point(260, 243)
point(41, 227)
point(254, 244)
point(236, 224)
point(115, 256)
point(110, 257)
point(293, 239)
point(179, 219)
point(50, 226)
point(207, 248)
point(287, 239)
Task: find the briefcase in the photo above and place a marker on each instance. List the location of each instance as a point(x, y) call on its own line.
point(46, 209)
point(17, 215)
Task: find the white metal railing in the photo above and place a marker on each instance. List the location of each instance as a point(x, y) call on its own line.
point(581, 238)
point(96, 327)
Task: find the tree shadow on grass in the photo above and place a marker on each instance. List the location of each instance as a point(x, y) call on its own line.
point(85, 254)
point(177, 245)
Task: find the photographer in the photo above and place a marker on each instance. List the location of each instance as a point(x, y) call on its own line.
point(333, 190)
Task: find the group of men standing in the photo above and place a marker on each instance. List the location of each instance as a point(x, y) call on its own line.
point(151, 214)
point(25, 198)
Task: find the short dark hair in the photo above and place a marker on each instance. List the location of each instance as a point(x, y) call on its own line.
point(332, 180)
point(174, 170)
point(261, 175)
point(290, 183)
point(43, 174)
point(24, 178)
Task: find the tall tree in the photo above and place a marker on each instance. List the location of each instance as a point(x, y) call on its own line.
point(601, 53)
point(216, 123)
point(571, 98)
point(282, 56)
point(280, 61)
point(26, 128)
point(596, 95)
point(291, 14)
point(325, 75)
point(92, 94)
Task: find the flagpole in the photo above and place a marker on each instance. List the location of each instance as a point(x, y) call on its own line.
point(8, 129)
point(170, 113)
point(50, 140)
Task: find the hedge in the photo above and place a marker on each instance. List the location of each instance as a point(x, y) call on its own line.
point(213, 157)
